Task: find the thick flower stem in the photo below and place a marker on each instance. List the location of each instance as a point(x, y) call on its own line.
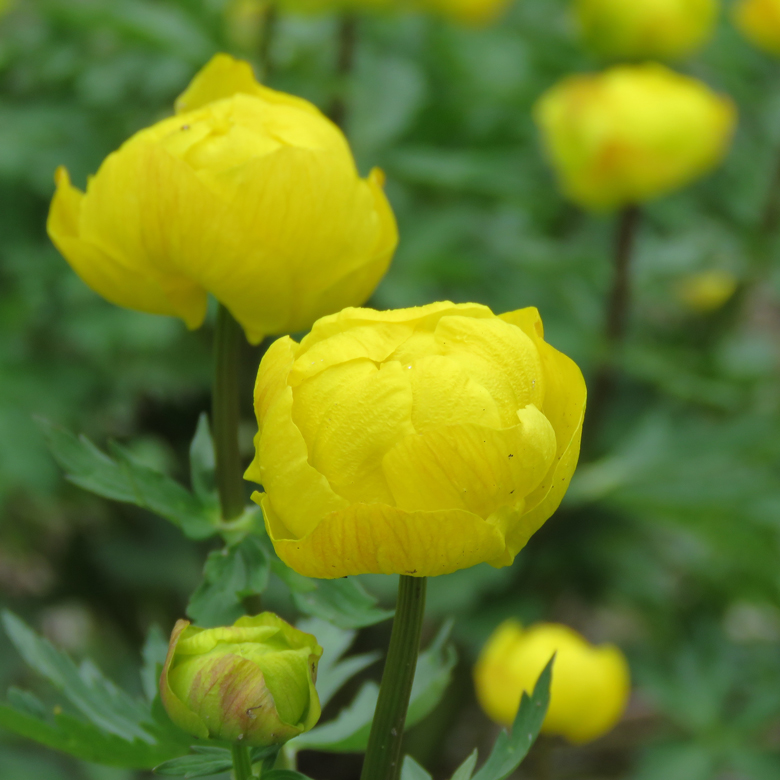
point(345, 62)
point(383, 755)
point(242, 763)
point(616, 316)
point(225, 414)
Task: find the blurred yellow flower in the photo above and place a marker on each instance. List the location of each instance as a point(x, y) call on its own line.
point(662, 29)
point(245, 20)
point(759, 21)
point(632, 133)
point(416, 441)
point(247, 193)
point(472, 13)
point(707, 291)
point(590, 685)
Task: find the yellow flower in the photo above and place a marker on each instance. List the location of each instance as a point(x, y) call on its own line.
point(759, 21)
point(590, 685)
point(416, 441)
point(473, 13)
point(632, 133)
point(706, 291)
point(662, 29)
point(247, 193)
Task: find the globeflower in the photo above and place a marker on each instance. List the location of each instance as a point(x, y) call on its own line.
point(590, 685)
point(251, 682)
point(707, 291)
point(248, 194)
point(759, 21)
point(416, 441)
point(632, 133)
point(663, 29)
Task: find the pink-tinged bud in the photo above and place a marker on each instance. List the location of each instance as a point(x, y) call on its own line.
point(251, 682)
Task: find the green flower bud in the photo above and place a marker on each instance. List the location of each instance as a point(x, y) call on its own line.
point(251, 682)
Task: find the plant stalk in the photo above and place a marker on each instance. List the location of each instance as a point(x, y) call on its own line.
point(225, 414)
point(618, 306)
point(383, 755)
point(345, 63)
point(242, 763)
point(266, 42)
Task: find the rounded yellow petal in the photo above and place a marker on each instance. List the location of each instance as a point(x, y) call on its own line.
point(380, 539)
point(759, 21)
point(590, 685)
point(381, 430)
point(248, 194)
point(632, 133)
point(652, 29)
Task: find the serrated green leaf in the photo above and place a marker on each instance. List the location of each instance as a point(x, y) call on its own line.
point(348, 732)
point(510, 749)
point(230, 575)
point(211, 761)
point(123, 478)
point(466, 769)
point(154, 651)
point(203, 463)
point(333, 671)
point(411, 770)
point(343, 602)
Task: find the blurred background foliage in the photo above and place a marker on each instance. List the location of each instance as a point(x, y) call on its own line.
point(668, 542)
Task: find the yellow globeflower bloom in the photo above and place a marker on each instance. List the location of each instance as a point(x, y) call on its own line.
point(416, 441)
point(707, 291)
point(646, 28)
point(632, 133)
point(759, 21)
point(247, 193)
point(589, 689)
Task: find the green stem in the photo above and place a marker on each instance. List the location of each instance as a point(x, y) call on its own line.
point(345, 64)
point(264, 54)
point(225, 415)
point(383, 755)
point(242, 763)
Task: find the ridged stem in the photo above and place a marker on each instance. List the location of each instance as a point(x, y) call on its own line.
point(383, 755)
point(242, 763)
point(225, 414)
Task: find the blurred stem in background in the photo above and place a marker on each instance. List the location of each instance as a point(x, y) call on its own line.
point(242, 764)
point(383, 754)
point(618, 306)
point(266, 42)
point(345, 62)
point(225, 414)
point(771, 215)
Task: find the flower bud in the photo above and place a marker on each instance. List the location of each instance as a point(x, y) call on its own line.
point(248, 194)
point(589, 689)
point(472, 13)
point(416, 441)
point(251, 682)
point(632, 133)
point(707, 291)
point(759, 21)
point(652, 29)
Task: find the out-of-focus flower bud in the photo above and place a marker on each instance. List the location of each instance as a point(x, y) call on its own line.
point(706, 291)
point(652, 29)
point(632, 133)
point(416, 441)
point(759, 21)
point(251, 682)
point(590, 685)
point(472, 13)
point(247, 193)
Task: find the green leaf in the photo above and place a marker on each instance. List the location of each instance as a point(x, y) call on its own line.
point(230, 575)
point(411, 770)
point(466, 769)
point(343, 602)
point(348, 732)
point(284, 774)
point(123, 478)
point(154, 651)
point(333, 671)
point(510, 750)
point(203, 464)
point(202, 763)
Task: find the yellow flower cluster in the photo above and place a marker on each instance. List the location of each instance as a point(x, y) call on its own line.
point(663, 29)
point(759, 20)
point(416, 441)
point(248, 194)
point(590, 685)
point(632, 133)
